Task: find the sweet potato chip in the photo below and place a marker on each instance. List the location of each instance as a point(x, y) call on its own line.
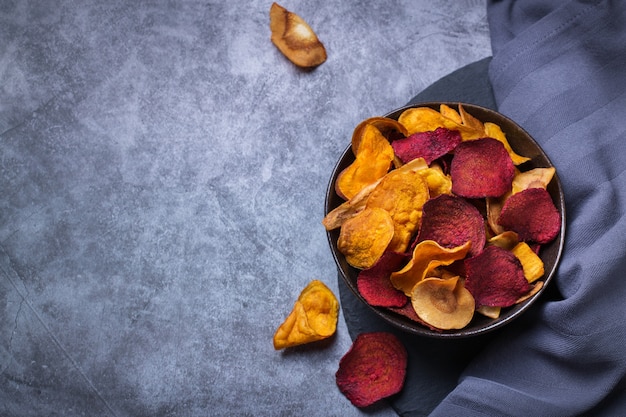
point(313, 318)
point(450, 113)
point(532, 215)
point(443, 303)
point(481, 168)
point(470, 121)
point(492, 130)
point(495, 277)
point(389, 128)
point(429, 145)
point(373, 368)
point(451, 221)
point(402, 193)
point(295, 38)
point(506, 240)
point(374, 284)
point(438, 182)
point(427, 256)
point(348, 209)
point(531, 262)
point(372, 161)
point(364, 237)
point(424, 119)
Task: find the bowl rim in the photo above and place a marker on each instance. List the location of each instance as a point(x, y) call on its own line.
point(540, 158)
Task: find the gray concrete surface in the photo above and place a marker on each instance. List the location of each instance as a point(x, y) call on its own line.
point(162, 178)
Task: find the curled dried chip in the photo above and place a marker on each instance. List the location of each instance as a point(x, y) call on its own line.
point(488, 311)
point(506, 240)
point(531, 213)
point(295, 38)
point(372, 161)
point(424, 119)
point(495, 277)
point(534, 178)
point(443, 303)
point(364, 237)
point(389, 128)
point(531, 262)
point(450, 113)
point(348, 209)
point(438, 182)
point(374, 284)
point(470, 121)
point(481, 168)
point(373, 368)
point(313, 318)
point(427, 256)
point(451, 221)
point(492, 130)
point(402, 193)
point(429, 145)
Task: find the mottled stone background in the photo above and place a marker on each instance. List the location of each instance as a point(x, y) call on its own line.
point(162, 175)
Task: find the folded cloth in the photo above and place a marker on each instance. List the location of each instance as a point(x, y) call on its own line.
point(559, 70)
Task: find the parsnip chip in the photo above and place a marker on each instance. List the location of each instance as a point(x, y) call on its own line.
point(492, 130)
point(443, 303)
point(534, 178)
point(531, 262)
point(364, 238)
point(313, 318)
point(481, 168)
point(372, 161)
point(295, 38)
point(491, 312)
point(402, 193)
point(427, 256)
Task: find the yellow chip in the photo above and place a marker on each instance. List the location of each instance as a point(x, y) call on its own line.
point(531, 262)
point(427, 256)
point(402, 193)
point(494, 131)
point(364, 237)
point(313, 318)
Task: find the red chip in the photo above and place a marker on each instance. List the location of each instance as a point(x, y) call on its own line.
point(374, 368)
point(481, 168)
point(428, 145)
point(451, 221)
point(374, 283)
point(495, 278)
point(531, 214)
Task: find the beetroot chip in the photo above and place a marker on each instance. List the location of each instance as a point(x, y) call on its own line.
point(481, 168)
point(374, 368)
point(374, 283)
point(531, 214)
point(495, 278)
point(428, 145)
point(451, 221)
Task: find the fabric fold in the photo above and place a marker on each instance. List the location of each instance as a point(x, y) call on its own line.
point(559, 70)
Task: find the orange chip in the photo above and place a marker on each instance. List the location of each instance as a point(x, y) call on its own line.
point(424, 119)
point(364, 237)
point(389, 128)
point(295, 38)
point(402, 193)
point(450, 113)
point(313, 318)
point(427, 256)
point(372, 161)
point(443, 303)
point(348, 209)
point(531, 262)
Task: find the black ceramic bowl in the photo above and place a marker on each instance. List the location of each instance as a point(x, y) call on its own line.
point(523, 144)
